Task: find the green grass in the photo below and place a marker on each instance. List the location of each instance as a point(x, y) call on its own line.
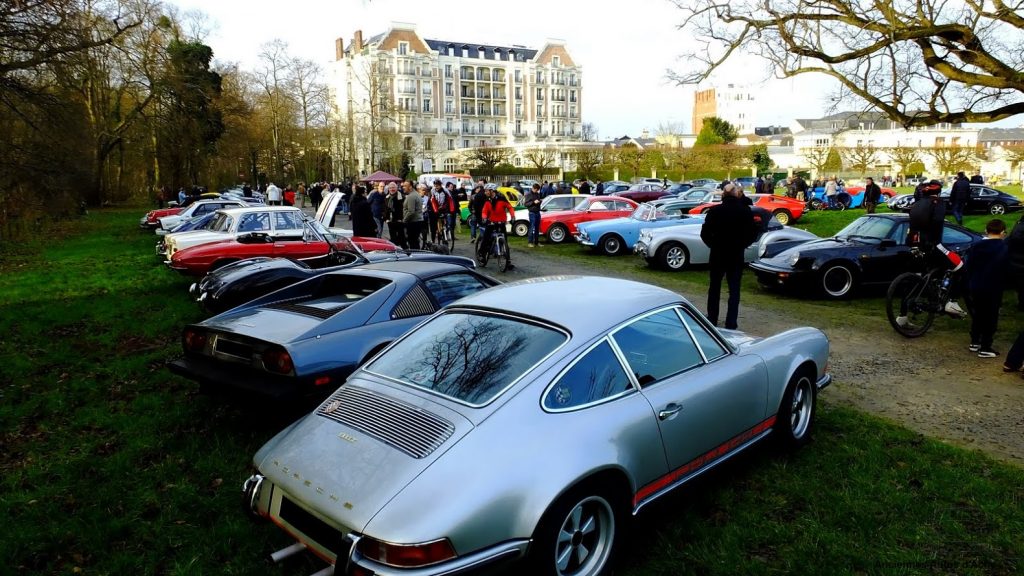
point(113, 466)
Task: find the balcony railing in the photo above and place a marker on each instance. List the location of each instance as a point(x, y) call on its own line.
point(520, 134)
point(559, 81)
point(558, 98)
point(467, 76)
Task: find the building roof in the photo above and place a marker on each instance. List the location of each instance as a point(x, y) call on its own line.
point(1000, 134)
point(474, 49)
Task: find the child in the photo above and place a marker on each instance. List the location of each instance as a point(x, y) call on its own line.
point(986, 261)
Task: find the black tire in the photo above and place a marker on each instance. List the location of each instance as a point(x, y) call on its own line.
point(612, 245)
point(838, 280)
point(673, 256)
point(794, 421)
point(598, 509)
point(557, 233)
point(481, 257)
point(843, 200)
point(997, 209)
point(521, 228)
point(783, 216)
point(916, 303)
point(816, 204)
point(450, 239)
point(504, 256)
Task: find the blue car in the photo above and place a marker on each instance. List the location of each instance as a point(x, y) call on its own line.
point(304, 340)
point(619, 235)
point(843, 200)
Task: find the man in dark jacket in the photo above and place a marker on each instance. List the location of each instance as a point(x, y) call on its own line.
point(927, 222)
point(1015, 261)
point(476, 209)
point(958, 197)
point(977, 179)
point(727, 230)
point(872, 194)
point(600, 189)
point(362, 217)
point(585, 187)
point(376, 201)
point(532, 202)
point(986, 262)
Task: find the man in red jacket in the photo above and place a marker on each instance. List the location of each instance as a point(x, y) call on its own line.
point(494, 215)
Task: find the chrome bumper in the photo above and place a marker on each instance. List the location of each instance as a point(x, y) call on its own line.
point(640, 248)
point(824, 381)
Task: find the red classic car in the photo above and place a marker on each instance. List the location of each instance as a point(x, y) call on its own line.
point(644, 192)
point(784, 209)
point(560, 225)
point(315, 241)
point(151, 221)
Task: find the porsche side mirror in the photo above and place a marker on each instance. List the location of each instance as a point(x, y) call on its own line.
point(887, 243)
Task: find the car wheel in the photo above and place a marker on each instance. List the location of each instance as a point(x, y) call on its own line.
point(577, 535)
point(838, 281)
point(557, 233)
point(783, 216)
point(612, 245)
point(521, 228)
point(673, 256)
point(817, 204)
point(997, 209)
point(705, 210)
point(795, 419)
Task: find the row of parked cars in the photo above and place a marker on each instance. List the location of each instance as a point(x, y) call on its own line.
point(429, 450)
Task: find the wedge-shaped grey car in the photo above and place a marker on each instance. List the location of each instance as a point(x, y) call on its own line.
point(514, 425)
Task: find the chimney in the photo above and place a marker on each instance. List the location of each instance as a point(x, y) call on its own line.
point(339, 49)
point(357, 42)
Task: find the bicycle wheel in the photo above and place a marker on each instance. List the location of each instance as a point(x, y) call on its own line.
point(910, 304)
point(504, 257)
point(449, 238)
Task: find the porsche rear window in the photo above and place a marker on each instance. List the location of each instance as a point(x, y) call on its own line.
point(469, 357)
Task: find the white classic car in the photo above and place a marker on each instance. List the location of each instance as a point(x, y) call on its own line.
point(167, 223)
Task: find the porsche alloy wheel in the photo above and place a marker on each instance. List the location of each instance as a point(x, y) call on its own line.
point(997, 209)
point(837, 281)
point(796, 413)
point(577, 536)
point(557, 233)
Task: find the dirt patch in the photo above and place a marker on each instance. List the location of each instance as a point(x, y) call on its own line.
point(932, 385)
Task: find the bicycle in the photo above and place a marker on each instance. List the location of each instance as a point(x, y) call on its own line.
point(498, 247)
point(913, 299)
point(445, 231)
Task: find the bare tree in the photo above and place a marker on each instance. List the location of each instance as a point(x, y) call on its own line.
point(486, 157)
point(952, 159)
point(633, 157)
point(920, 62)
point(860, 157)
point(310, 94)
point(543, 159)
point(903, 156)
point(588, 132)
point(587, 159)
point(817, 157)
point(272, 77)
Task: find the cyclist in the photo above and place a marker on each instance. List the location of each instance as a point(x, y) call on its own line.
point(927, 221)
point(495, 213)
point(441, 210)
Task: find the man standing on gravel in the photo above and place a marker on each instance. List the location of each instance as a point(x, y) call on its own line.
point(727, 230)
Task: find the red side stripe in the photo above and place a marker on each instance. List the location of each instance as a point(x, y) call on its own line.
point(702, 460)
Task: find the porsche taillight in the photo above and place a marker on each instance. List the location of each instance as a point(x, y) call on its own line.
point(406, 555)
point(193, 340)
point(278, 361)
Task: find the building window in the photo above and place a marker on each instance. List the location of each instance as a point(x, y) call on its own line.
point(517, 161)
point(426, 104)
point(449, 107)
point(448, 69)
point(519, 109)
point(407, 143)
point(451, 144)
point(519, 126)
point(403, 48)
point(540, 93)
point(448, 125)
point(465, 143)
point(428, 143)
point(449, 165)
point(556, 61)
point(540, 109)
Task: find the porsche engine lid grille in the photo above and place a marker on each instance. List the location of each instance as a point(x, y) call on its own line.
point(316, 312)
point(407, 428)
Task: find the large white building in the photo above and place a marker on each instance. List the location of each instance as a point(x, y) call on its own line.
point(733, 103)
point(435, 99)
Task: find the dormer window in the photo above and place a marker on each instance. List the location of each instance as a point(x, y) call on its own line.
point(480, 52)
point(451, 49)
point(556, 61)
point(465, 51)
point(403, 48)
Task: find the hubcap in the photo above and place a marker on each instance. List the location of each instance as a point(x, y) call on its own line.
point(837, 281)
point(585, 538)
point(803, 405)
point(997, 209)
point(611, 245)
point(557, 235)
point(675, 257)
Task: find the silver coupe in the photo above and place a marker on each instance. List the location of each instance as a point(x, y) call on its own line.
point(517, 426)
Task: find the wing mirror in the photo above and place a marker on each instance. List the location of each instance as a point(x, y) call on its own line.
point(887, 243)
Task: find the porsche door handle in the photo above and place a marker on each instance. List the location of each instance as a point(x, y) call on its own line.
point(669, 411)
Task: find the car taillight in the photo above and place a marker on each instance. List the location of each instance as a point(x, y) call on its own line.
point(406, 555)
point(278, 360)
point(193, 340)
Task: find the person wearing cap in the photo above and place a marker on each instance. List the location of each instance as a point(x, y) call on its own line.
point(728, 229)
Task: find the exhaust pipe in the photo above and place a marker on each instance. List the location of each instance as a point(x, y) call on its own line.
point(283, 553)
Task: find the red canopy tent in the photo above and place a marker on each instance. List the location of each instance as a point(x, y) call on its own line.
point(381, 176)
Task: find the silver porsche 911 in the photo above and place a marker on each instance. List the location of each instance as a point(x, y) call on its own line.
point(515, 425)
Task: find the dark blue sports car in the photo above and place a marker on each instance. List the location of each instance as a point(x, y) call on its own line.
point(872, 249)
point(304, 340)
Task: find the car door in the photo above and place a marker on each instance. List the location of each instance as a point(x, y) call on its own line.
point(702, 395)
point(882, 262)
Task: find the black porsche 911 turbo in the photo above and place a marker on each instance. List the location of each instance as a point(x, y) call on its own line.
point(871, 250)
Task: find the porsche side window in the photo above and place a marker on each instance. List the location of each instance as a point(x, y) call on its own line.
point(254, 222)
point(711, 347)
point(657, 346)
point(596, 375)
point(287, 221)
point(447, 289)
point(952, 236)
point(899, 233)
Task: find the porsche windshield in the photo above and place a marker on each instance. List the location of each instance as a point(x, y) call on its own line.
point(867, 228)
point(467, 356)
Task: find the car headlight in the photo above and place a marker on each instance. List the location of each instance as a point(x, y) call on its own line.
point(645, 236)
point(793, 259)
point(583, 235)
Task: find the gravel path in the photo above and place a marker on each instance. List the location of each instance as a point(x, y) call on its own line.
point(932, 385)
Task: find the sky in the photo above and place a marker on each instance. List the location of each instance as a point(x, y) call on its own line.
point(625, 53)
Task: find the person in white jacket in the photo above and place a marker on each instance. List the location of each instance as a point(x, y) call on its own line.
point(274, 196)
